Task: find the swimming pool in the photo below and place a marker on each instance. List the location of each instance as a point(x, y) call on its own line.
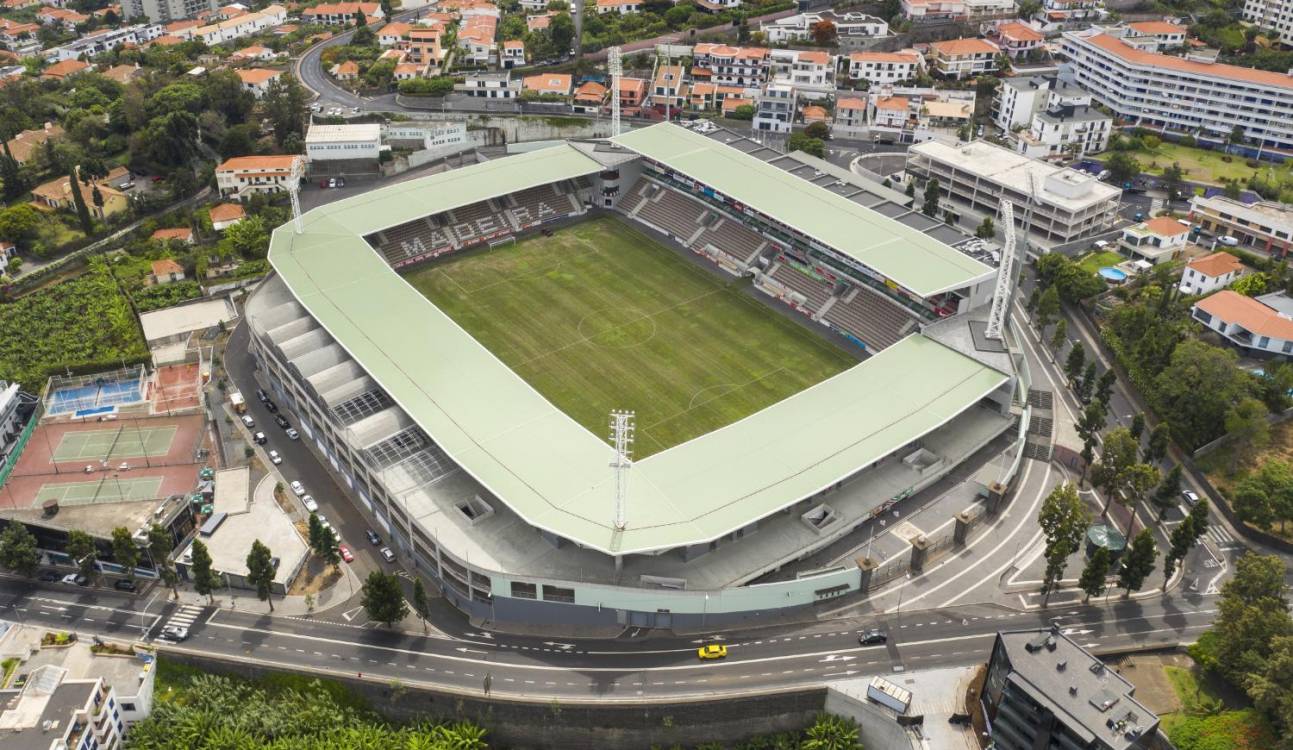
point(1114, 275)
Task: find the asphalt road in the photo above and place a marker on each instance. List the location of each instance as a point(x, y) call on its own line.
point(653, 668)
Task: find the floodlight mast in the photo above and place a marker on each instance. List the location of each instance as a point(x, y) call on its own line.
point(294, 190)
point(1005, 277)
point(615, 66)
point(623, 425)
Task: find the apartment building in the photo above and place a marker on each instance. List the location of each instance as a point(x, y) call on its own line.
point(746, 67)
point(775, 110)
point(1056, 15)
point(1182, 95)
point(1067, 205)
point(342, 14)
point(1261, 326)
point(799, 27)
point(668, 88)
point(963, 58)
point(1015, 38)
point(1017, 100)
point(957, 10)
point(243, 176)
point(885, 67)
point(236, 27)
point(490, 85)
point(850, 117)
point(1158, 239)
point(1266, 226)
point(1066, 126)
point(1210, 273)
point(810, 72)
point(1276, 15)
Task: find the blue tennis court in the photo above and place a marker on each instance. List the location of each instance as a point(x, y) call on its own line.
point(95, 397)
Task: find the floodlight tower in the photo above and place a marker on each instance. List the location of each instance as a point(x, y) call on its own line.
point(1005, 277)
point(294, 190)
point(623, 425)
point(615, 66)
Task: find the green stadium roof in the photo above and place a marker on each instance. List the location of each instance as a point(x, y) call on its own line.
point(910, 258)
point(547, 468)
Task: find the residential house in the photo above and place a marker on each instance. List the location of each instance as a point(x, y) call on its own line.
point(746, 67)
point(177, 234)
point(885, 67)
point(810, 72)
point(64, 69)
point(342, 14)
point(407, 71)
point(540, 21)
point(668, 88)
point(243, 176)
point(123, 74)
point(1057, 15)
point(476, 39)
point(1265, 226)
point(534, 5)
point(963, 58)
point(547, 84)
point(424, 46)
point(733, 103)
point(1257, 327)
point(1159, 238)
point(67, 19)
point(956, 10)
point(226, 215)
point(22, 147)
point(57, 194)
point(799, 28)
point(589, 97)
point(252, 54)
point(1155, 36)
point(20, 38)
point(166, 270)
point(1015, 38)
point(850, 117)
point(237, 27)
point(513, 53)
point(1069, 126)
point(618, 6)
point(394, 33)
point(489, 85)
point(256, 80)
point(775, 110)
point(891, 112)
point(812, 113)
point(345, 71)
point(708, 97)
point(633, 95)
point(1210, 273)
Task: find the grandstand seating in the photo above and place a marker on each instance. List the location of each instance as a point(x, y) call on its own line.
point(877, 322)
point(413, 240)
point(674, 213)
point(537, 204)
point(732, 238)
point(635, 197)
point(816, 292)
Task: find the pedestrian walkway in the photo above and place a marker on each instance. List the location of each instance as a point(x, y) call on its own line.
point(184, 617)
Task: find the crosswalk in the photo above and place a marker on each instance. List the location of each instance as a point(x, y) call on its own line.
point(1221, 538)
point(184, 617)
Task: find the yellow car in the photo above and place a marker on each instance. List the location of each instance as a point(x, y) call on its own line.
point(712, 651)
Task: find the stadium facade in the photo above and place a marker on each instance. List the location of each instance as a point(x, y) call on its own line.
point(510, 504)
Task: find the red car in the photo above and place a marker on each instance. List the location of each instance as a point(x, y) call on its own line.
point(346, 554)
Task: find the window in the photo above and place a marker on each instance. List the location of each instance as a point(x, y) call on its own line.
point(558, 594)
point(127, 706)
point(1264, 342)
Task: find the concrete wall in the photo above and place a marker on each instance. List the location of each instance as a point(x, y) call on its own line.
point(516, 128)
point(877, 726)
point(543, 724)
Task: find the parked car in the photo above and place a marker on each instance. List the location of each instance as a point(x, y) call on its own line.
point(310, 504)
point(281, 421)
point(262, 395)
point(323, 184)
point(341, 182)
point(125, 584)
point(387, 555)
point(292, 434)
point(297, 488)
point(373, 539)
point(248, 421)
point(271, 406)
point(274, 458)
point(332, 182)
point(76, 579)
point(345, 553)
point(260, 438)
point(1190, 497)
point(1228, 241)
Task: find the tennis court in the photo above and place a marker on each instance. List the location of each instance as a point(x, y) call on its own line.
point(88, 395)
point(109, 489)
point(124, 441)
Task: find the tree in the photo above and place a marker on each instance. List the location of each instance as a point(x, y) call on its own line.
point(744, 112)
point(15, 180)
point(1248, 428)
point(82, 212)
point(125, 552)
point(1048, 306)
point(1250, 285)
point(930, 206)
point(1086, 386)
point(160, 544)
point(364, 36)
point(361, 19)
point(205, 581)
point(260, 572)
point(420, 604)
point(1272, 688)
point(20, 224)
point(1169, 490)
point(1138, 563)
point(1060, 335)
point(802, 142)
point(1196, 391)
point(986, 229)
point(284, 107)
point(817, 130)
point(1089, 427)
point(314, 534)
point(247, 239)
point(1159, 437)
point(1076, 359)
point(831, 732)
point(1137, 425)
point(1252, 614)
point(1184, 537)
point(1173, 181)
point(18, 550)
point(562, 32)
point(824, 33)
point(1116, 459)
point(1122, 166)
point(1095, 575)
point(84, 552)
point(1064, 520)
point(383, 599)
point(1104, 387)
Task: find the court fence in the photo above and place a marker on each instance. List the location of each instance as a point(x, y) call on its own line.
point(73, 394)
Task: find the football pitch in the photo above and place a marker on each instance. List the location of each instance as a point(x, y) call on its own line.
point(599, 316)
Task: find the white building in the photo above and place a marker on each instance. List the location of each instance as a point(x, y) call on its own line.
point(775, 110)
point(799, 28)
point(236, 27)
point(725, 65)
point(1276, 15)
point(342, 14)
point(963, 58)
point(490, 85)
point(885, 67)
point(1256, 326)
point(810, 72)
point(1067, 205)
point(850, 117)
point(55, 711)
point(343, 142)
point(957, 10)
point(1266, 226)
point(163, 11)
point(1067, 126)
point(103, 40)
point(1157, 239)
point(1155, 36)
point(1180, 95)
point(243, 176)
point(1017, 100)
point(257, 80)
point(438, 137)
point(1056, 15)
point(11, 426)
point(1210, 273)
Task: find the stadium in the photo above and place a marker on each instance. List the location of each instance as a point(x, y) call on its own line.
point(795, 346)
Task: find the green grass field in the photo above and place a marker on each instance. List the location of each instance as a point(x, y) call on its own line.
point(600, 316)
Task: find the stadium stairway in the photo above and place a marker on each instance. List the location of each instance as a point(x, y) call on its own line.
point(816, 292)
point(671, 212)
point(875, 321)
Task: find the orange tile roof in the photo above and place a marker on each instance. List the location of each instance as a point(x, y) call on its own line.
point(253, 76)
point(182, 25)
point(1233, 307)
point(1019, 32)
point(1217, 264)
point(958, 47)
point(397, 28)
point(227, 212)
point(850, 103)
point(1166, 226)
point(349, 67)
point(282, 162)
point(166, 266)
point(548, 83)
point(1157, 27)
point(64, 68)
point(814, 113)
point(733, 102)
point(884, 57)
point(590, 90)
point(179, 233)
point(893, 102)
point(1127, 53)
point(167, 40)
point(815, 56)
point(513, 44)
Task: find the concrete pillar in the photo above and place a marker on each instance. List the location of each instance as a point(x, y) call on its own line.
point(919, 549)
point(867, 566)
point(962, 529)
point(996, 497)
